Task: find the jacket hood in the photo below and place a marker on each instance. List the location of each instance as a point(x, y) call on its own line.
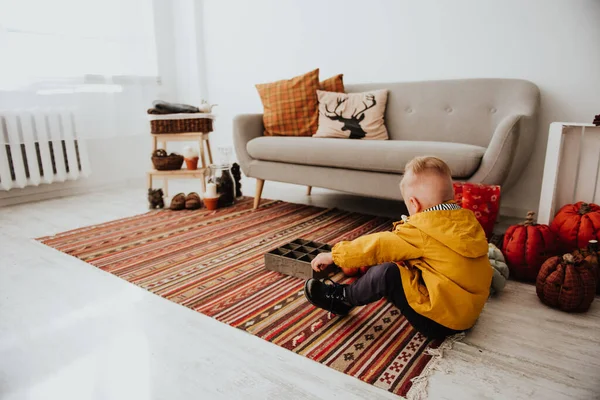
point(459, 230)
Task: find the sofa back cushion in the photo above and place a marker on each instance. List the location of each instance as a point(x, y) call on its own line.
point(461, 111)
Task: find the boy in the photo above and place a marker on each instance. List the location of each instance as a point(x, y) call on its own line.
point(433, 266)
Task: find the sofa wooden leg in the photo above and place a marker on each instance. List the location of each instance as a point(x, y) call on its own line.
point(259, 187)
point(308, 190)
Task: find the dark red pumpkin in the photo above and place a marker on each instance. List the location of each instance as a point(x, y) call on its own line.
point(526, 247)
point(590, 254)
point(567, 283)
point(350, 271)
point(575, 225)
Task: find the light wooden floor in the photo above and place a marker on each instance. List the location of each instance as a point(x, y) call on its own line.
point(70, 331)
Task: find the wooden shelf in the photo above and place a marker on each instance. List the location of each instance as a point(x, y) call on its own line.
point(180, 137)
point(203, 143)
point(180, 173)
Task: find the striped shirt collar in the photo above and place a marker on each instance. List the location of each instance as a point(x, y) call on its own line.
point(444, 206)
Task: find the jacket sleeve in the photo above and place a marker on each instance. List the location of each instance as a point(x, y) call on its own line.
point(378, 248)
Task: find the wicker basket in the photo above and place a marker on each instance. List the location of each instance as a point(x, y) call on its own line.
point(168, 163)
point(180, 123)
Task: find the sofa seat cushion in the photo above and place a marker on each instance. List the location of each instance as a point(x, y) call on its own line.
point(381, 156)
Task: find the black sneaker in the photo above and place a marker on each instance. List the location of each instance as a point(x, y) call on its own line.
point(328, 297)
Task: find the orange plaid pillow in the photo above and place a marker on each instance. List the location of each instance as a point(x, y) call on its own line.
point(291, 106)
point(333, 84)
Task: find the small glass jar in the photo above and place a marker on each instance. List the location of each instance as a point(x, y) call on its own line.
point(222, 177)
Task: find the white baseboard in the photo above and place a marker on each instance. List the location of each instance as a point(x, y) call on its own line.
point(248, 187)
point(514, 212)
point(45, 192)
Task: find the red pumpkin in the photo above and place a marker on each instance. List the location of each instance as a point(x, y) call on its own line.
point(576, 224)
point(363, 270)
point(526, 247)
point(350, 271)
point(567, 283)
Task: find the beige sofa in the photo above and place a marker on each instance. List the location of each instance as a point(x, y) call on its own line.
point(483, 128)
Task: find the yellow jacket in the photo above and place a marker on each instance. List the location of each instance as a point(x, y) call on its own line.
point(443, 262)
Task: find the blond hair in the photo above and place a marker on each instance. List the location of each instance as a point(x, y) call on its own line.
point(430, 180)
point(419, 165)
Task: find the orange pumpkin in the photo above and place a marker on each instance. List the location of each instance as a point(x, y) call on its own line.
point(526, 247)
point(576, 224)
point(567, 283)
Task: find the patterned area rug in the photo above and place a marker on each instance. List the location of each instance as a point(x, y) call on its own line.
point(212, 262)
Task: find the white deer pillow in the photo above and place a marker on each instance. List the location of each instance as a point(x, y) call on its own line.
point(352, 115)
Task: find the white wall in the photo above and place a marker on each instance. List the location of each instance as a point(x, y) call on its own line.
point(553, 43)
point(180, 49)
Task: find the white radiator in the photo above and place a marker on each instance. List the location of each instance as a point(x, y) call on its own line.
point(572, 168)
point(40, 146)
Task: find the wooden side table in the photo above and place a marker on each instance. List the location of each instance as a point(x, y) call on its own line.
point(160, 141)
point(571, 169)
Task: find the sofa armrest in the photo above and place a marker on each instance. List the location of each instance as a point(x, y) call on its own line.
point(512, 144)
point(498, 159)
point(245, 128)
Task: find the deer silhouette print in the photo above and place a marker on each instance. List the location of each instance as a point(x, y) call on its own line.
point(351, 124)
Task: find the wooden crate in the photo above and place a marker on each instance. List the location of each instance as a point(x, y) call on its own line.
point(571, 169)
point(294, 259)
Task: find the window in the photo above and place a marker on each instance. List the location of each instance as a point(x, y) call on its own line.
point(96, 58)
point(57, 40)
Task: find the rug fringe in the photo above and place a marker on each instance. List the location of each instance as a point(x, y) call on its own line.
point(418, 390)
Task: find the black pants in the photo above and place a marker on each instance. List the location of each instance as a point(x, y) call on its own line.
point(384, 281)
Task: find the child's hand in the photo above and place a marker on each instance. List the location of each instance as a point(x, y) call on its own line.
point(321, 261)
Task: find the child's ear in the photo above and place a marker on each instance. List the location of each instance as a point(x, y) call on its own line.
point(415, 204)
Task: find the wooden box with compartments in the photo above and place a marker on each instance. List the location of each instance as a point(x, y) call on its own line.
point(294, 259)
